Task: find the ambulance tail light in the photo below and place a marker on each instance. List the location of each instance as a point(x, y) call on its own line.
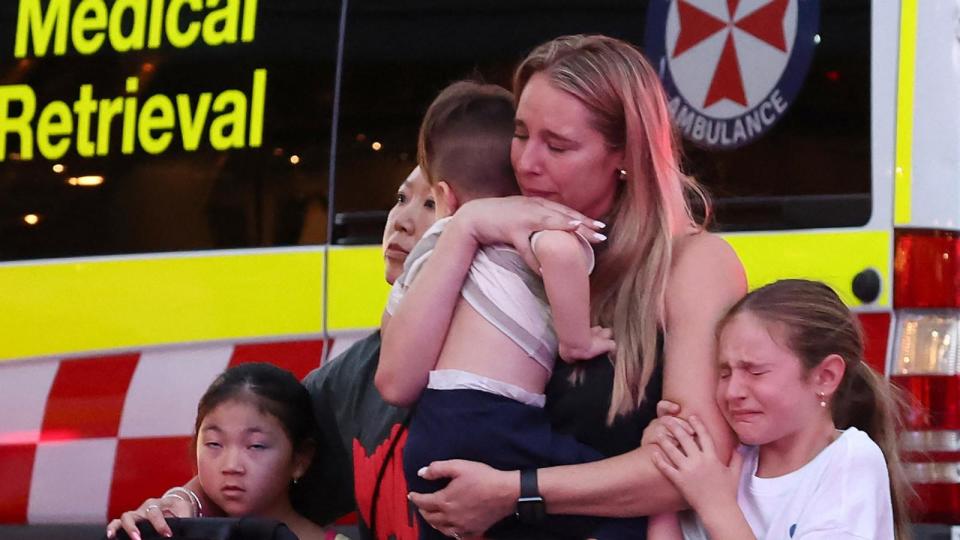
point(926, 364)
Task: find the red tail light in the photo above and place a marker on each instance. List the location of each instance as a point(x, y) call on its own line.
point(926, 269)
point(926, 364)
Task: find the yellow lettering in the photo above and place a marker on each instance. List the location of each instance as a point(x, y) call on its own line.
point(32, 21)
point(186, 38)
point(229, 129)
point(84, 107)
point(226, 18)
point(55, 121)
point(249, 20)
point(21, 124)
point(191, 126)
point(135, 39)
point(156, 24)
point(108, 109)
point(156, 114)
point(130, 116)
point(257, 99)
point(90, 16)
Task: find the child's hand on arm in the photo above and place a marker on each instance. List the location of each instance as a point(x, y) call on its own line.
point(658, 429)
point(565, 267)
point(705, 481)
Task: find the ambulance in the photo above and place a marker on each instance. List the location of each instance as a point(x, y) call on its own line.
point(185, 186)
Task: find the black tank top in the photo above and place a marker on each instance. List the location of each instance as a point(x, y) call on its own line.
point(581, 409)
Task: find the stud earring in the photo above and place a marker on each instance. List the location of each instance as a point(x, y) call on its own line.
point(622, 174)
point(295, 480)
point(823, 399)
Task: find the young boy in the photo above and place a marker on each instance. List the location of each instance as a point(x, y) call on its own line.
point(509, 325)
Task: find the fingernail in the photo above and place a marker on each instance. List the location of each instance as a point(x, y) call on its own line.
point(599, 224)
point(109, 534)
point(576, 222)
point(540, 270)
point(599, 236)
point(422, 472)
point(135, 536)
point(409, 496)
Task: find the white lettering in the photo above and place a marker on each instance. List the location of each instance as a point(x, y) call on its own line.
point(764, 107)
point(778, 103)
point(698, 126)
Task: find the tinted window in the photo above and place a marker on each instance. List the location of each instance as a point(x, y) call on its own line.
point(250, 172)
point(397, 58)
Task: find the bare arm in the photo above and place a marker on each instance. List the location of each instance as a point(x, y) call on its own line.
point(415, 334)
point(563, 265)
point(706, 279)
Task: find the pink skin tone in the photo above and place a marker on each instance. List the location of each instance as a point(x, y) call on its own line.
point(770, 400)
point(558, 156)
point(411, 216)
point(246, 462)
point(764, 391)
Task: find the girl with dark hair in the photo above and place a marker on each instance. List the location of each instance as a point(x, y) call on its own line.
point(818, 426)
point(254, 439)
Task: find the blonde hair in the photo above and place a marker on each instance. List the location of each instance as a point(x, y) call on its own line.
point(818, 324)
point(629, 108)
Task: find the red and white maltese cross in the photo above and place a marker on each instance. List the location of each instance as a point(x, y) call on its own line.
point(765, 23)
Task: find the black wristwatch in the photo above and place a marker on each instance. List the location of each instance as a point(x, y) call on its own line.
point(530, 507)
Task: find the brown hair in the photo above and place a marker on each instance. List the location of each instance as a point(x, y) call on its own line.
point(629, 108)
point(465, 140)
point(817, 324)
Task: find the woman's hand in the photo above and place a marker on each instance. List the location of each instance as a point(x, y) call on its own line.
point(477, 497)
point(153, 510)
point(695, 469)
point(511, 220)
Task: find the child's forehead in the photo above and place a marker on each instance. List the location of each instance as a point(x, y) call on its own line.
point(749, 340)
point(244, 409)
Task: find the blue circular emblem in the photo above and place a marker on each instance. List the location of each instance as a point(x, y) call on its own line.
point(731, 68)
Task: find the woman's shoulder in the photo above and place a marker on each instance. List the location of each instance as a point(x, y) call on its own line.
point(699, 247)
point(704, 267)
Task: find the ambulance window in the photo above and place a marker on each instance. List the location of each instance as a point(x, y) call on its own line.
point(138, 135)
point(811, 169)
point(399, 56)
point(803, 159)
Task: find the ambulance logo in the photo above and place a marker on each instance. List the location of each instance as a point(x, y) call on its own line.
point(732, 68)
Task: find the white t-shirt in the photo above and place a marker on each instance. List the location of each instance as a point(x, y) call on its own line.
point(844, 492)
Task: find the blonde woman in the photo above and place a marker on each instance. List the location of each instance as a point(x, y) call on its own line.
point(593, 146)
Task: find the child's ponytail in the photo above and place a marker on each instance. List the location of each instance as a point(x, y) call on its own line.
point(866, 401)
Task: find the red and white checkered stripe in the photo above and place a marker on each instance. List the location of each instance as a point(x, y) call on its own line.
point(86, 438)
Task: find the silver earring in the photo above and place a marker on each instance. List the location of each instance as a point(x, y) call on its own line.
point(823, 399)
point(295, 480)
point(622, 174)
